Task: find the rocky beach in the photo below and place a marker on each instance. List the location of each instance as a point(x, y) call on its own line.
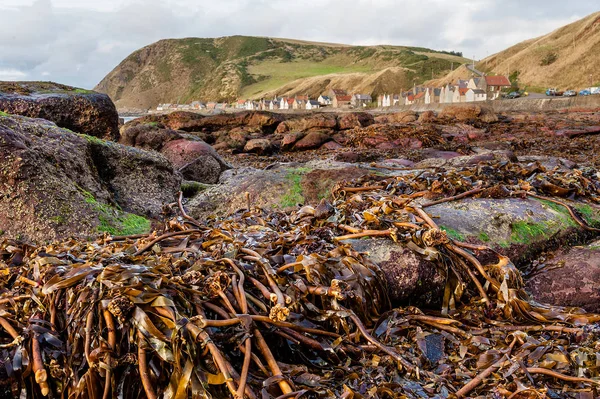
point(255, 254)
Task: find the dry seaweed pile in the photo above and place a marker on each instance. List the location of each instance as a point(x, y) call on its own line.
point(273, 304)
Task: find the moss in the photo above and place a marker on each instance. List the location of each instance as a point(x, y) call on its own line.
point(153, 124)
point(113, 220)
point(588, 213)
point(90, 139)
point(58, 219)
point(294, 195)
point(454, 234)
point(524, 232)
point(82, 91)
point(484, 237)
point(2, 113)
point(191, 188)
point(565, 217)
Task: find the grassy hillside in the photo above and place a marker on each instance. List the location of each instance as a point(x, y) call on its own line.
point(224, 69)
point(567, 58)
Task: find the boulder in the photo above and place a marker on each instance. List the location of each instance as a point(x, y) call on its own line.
point(195, 159)
point(290, 139)
point(55, 183)
point(258, 146)
point(331, 146)
point(570, 278)
point(355, 119)
point(412, 280)
point(321, 121)
point(79, 110)
point(468, 112)
point(312, 140)
point(398, 117)
point(148, 137)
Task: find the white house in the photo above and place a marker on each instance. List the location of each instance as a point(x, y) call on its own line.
point(312, 104)
point(324, 100)
point(475, 95)
point(448, 94)
point(459, 94)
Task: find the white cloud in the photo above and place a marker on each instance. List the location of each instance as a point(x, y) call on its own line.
point(12, 74)
point(78, 42)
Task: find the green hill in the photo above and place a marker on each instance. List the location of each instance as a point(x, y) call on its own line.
point(228, 68)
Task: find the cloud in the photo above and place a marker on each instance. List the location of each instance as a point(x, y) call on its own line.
point(78, 43)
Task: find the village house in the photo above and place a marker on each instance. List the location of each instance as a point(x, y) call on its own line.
point(284, 103)
point(342, 101)
point(197, 105)
point(432, 95)
point(312, 104)
point(299, 103)
point(324, 100)
point(333, 93)
point(419, 98)
point(493, 86)
point(460, 94)
point(384, 100)
point(409, 99)
point(275, 104)
point(475, 83)
point(163, 107)
point(475, 95)
point(361, 100)
point(448, 93)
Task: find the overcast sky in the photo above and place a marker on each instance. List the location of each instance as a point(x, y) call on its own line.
point(78, 42)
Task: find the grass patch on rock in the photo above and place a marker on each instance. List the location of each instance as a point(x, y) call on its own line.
point(454, 234)
point(115, 221)
point(294, 194)
point(525, 232)
point(2, 113)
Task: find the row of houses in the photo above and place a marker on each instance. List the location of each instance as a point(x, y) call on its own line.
point(335, 98)
point(472, 90)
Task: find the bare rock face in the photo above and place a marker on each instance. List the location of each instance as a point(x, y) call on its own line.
point(148, 137)
point(195, 159)
point(55, 183)
point(572, 278)
point(79, 110)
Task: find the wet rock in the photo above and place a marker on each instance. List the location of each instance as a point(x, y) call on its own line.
point(399, 162)
point(411, 279)
point(355, 119)
point(55, 183)
point(82, 111)
point(196, 160)
point(258, 146)
point(320, 121)
point(577, 132)
point(312, 140)
point(571, 278)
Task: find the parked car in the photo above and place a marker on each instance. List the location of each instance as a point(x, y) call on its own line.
point(570, 93)
point(585, 92)
point(513, 94)
point(551, 92)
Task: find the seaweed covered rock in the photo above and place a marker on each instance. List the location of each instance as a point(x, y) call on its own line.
point(55, 183)
point(82, 111)
point(319, 121)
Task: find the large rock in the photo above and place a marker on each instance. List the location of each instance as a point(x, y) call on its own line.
point(355, 119)
point(196, 160)
point(193, 122)
point(398, 117)
point(258, 146)
point(55, 183)
point(82, 111)
point(468, 112)
point(148, 136)
point(412, 280)
point(571, 278)
point(320, 121)
point(311, 141)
